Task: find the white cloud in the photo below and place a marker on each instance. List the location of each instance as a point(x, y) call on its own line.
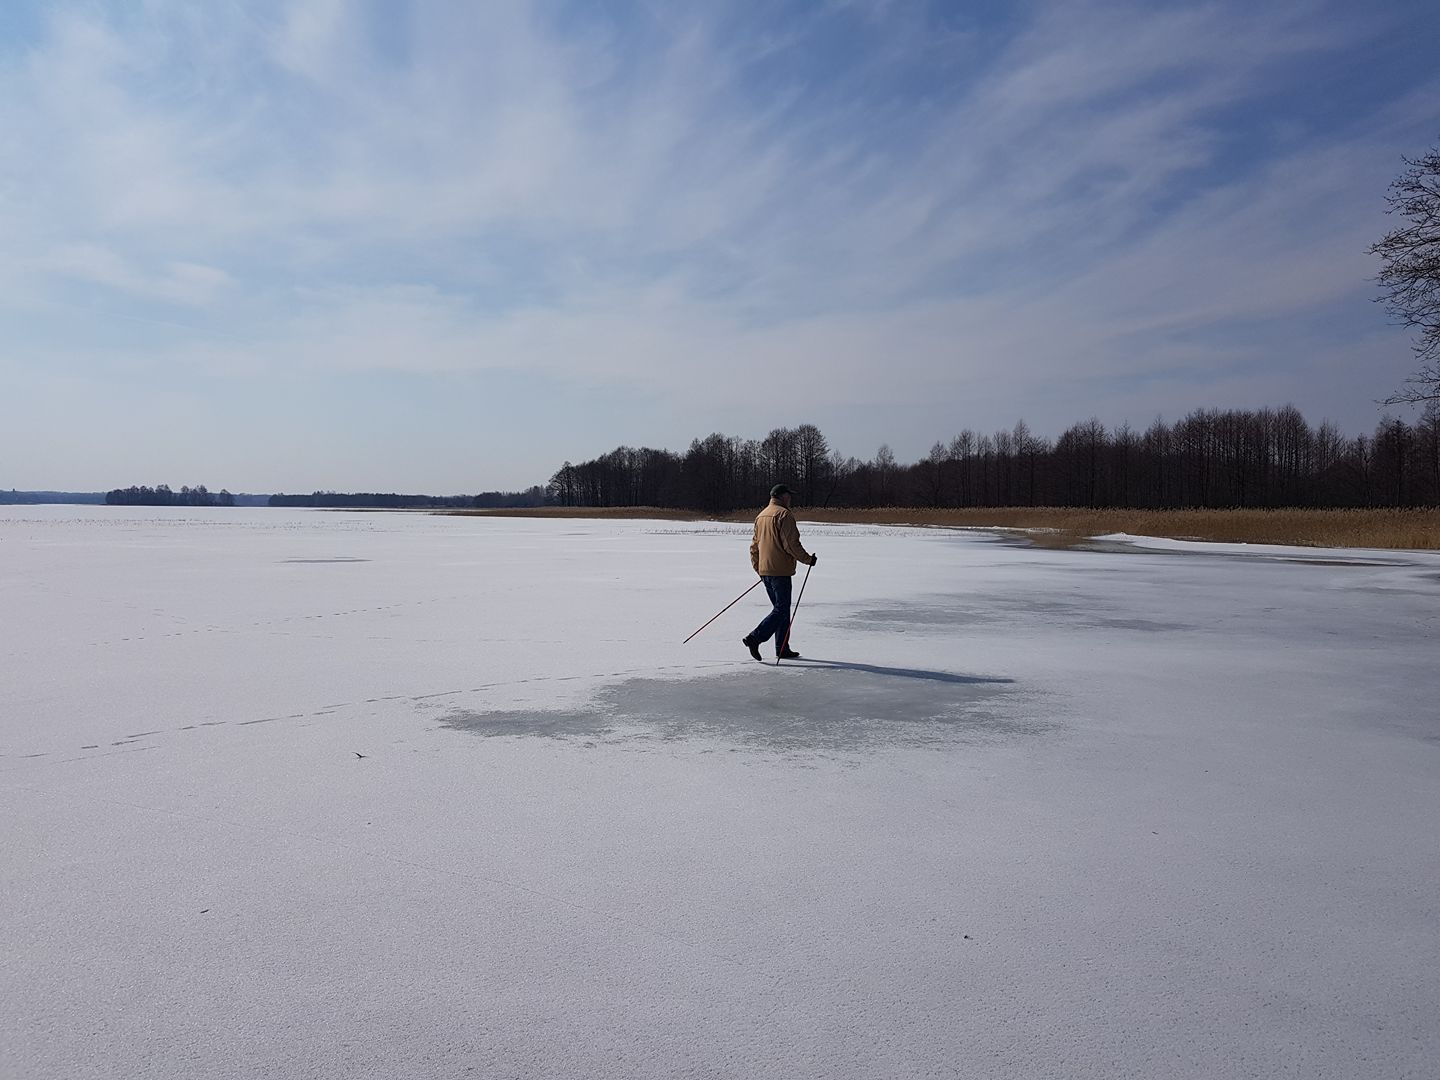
point(484, 189)
point(187, 283)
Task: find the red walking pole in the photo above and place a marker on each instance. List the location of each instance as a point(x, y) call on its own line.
point(791, 624)
point(728, 606)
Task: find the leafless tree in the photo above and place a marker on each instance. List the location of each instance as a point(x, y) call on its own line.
point(1030, 449)
point(812, 456)
point(884, 466)
point(1428, 434)
point(778, 455)
point(959, 452)
point(933, 474)
point(838, 470)
point(1410, 272)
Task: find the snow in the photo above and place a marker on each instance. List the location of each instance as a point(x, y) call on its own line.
point(1358, 556)
point(295, 794)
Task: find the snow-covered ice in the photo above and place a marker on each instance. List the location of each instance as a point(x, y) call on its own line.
point(305, 794)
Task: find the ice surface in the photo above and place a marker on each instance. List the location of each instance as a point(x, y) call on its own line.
point(294, 794)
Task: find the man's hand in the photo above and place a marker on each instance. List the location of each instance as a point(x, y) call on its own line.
point(814, 559)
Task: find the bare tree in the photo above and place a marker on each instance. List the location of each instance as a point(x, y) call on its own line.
point(1124, 456)
point(960, 450)
point(1029, 449)
point(839, 469)
point(778, 455)
point(1158, 446)
point(1410, 275)
point(884, 466)
point(933, 472)
point(1294, 454)
point(1428, 434)
point(812, 456)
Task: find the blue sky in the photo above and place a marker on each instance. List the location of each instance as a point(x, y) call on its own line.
point(444, 246)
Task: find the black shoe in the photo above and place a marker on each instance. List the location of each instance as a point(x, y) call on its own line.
point(788, 654)
point(753, 646)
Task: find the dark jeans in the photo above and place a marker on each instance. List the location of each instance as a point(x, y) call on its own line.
point(777, 623)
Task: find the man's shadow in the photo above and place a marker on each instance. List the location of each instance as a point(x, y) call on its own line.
point(900, 673)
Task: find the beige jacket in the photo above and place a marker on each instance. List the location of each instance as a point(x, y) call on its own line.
point(776, 546)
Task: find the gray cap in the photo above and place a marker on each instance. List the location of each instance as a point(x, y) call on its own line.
point(778, 490)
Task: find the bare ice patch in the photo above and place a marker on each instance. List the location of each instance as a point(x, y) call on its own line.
point(814, 705)
point(337, 559)
point(945, 614)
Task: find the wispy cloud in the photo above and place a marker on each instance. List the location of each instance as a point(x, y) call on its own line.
point(852, 204)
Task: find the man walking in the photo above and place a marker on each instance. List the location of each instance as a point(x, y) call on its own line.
point(773, 554)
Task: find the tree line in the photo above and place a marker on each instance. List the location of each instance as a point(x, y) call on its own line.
point(35, 498)
point(534, 496)
point(1211, 458)
point(163, 496)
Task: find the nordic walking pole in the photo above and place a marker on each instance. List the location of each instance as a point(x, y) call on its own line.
point(727, 607)
point(791, 623)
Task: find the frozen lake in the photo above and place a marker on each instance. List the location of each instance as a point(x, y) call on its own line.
point(305, 794)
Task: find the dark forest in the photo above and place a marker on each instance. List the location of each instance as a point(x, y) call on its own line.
point(1209, 459)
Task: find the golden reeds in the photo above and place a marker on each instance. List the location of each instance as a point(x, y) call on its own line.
point(1419, 529)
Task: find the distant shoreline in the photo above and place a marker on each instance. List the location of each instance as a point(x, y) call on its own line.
point(1392, 529)
point(1409, 529)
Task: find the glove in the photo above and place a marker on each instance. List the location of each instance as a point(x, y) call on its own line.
point(814, 559)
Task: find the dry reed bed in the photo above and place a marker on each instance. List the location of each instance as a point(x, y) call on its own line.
point(1312, 528)
point(1413, 529)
